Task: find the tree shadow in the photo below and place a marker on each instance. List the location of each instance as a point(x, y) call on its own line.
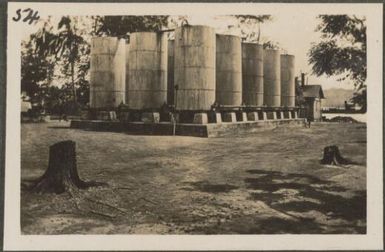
point(275, 225)
point(205, 186)
point(59, 127)
point(311, 194)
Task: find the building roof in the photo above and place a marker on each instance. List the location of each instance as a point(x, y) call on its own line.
point(313, 91)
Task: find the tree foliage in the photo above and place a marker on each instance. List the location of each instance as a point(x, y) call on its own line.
point(35, 71)
point(270, 45)
point(121, 26)
point(250, 27)
point(342, 51)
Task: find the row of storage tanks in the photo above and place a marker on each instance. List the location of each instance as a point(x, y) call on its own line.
point(206, 67)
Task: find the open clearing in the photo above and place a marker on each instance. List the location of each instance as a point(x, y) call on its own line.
point(259, 183)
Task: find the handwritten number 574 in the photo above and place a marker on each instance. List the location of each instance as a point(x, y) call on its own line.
point(30, 16)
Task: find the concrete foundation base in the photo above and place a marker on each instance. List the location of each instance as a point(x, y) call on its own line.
point(200, 118)
point(197, 130)
point(85, 115)
point(229, 117)
point(150, 117)
point(218, 118)
point(264, 116)
point(124, 116)
point(286, 115)
point(271, 115)
point(252, 116)
point(113, 115)
point(106, 115)
point(175, 118)
point(243, 117)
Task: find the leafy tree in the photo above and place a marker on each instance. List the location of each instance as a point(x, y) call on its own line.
point(270, 45)
point(121, 26)
point(251, 26)
point(35, 71)
point(82, 81)
point(342, 51)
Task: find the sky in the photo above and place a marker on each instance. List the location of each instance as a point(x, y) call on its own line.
point(294, 32)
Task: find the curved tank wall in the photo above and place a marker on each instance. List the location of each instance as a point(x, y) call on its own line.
point(194, 70)
point(252, 74)
point(147, 84)
point(127, 70)
point(108, 72)
point(170, 73)
point(287, 80)
point(228, 70)
point(272, 75)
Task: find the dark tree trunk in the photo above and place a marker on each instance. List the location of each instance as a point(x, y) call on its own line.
point(62, 174)
point(332, 156)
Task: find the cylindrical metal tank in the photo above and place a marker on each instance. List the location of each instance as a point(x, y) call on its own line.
point(108, 72)
point(228, 70)
point(127, 70)
point(170, 73)
point(287, 80)
point(272, 78)
point(194, 69)
point(147, 84)
point(252, 74)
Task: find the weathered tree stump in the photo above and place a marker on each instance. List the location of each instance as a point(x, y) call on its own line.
point(332, 156)
point(62, 174)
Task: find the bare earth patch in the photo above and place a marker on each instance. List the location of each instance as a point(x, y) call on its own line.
point(260, 183)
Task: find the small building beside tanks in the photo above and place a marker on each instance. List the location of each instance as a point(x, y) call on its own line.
point(313, 95)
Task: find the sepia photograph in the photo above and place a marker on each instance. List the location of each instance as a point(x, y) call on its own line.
point(250, 121)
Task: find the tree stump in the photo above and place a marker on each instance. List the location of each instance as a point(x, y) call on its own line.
point(332, 156)
point(62, 174)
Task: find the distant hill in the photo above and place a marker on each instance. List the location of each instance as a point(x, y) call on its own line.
point(335, 97)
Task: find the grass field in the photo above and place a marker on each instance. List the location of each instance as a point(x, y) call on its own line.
point(261, 183)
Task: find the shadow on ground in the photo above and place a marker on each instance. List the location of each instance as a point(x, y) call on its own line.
point(205, 186)
point(303, 204)
point(299, 193)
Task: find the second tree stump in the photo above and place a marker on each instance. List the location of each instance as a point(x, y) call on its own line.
point(332, 156)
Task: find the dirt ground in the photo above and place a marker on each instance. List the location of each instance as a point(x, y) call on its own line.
point(267, 182)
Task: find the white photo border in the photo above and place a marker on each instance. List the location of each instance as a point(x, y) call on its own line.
point(373, 240)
